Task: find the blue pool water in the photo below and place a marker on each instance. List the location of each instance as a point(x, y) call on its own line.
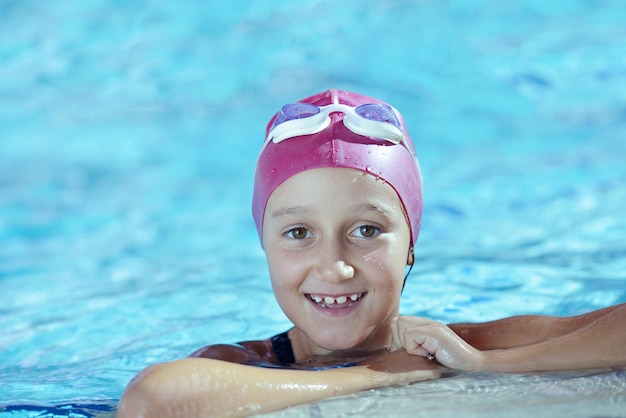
point(128, 136)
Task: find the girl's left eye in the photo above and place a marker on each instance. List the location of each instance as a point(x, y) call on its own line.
point(367, 231)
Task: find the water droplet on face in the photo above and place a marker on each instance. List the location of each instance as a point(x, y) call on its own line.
point(346, 157)
point(368, 168)
point(273, 170)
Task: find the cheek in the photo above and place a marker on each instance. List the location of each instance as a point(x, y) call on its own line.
point(283, 270)
point(280, 282)
point(386, 262)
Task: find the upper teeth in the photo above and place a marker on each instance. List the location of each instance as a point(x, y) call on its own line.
point(340, 299)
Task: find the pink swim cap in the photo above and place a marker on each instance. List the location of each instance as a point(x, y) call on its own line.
point(334, 144)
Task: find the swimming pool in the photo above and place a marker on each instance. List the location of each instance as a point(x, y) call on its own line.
point(128, 136)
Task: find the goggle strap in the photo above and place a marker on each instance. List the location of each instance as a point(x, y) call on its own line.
point(391, 132)
point(278, 136)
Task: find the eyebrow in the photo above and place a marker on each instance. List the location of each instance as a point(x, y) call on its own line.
point(292, 210)
point(371, 207)
point(308, 210)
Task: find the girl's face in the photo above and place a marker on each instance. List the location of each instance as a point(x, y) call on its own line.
point(337, 244)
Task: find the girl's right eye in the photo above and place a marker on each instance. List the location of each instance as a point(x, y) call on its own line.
point(298, 232)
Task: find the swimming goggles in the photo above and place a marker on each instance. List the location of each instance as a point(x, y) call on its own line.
point(376, 120)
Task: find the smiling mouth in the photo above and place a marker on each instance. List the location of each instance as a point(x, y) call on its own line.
point(336, 302)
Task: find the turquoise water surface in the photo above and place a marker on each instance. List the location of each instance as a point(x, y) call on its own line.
point(128, 138)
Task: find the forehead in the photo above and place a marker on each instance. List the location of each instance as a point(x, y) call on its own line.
point(333, 188)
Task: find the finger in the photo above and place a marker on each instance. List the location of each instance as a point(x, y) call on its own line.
point(442, 343)
point(400, 332)
point(414, 321)
point(396, 342)
point(402, 340)
point(405, 331)
point(420, 336)
point(418, 341)
point(427, 344)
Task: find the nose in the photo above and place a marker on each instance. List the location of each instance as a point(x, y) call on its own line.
point(331, 265)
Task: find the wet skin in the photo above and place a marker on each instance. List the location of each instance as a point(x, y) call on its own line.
point(337, 244)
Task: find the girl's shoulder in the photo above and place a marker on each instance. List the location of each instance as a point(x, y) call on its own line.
point(275, 351)
point(244, 353)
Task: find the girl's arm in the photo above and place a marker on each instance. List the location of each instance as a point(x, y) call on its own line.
point(523, 330)
point(201, 387)
point(518, 344)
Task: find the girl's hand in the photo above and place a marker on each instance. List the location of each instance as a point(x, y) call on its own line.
point(434, 340)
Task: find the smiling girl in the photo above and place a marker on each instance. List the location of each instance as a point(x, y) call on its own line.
point(337, 205)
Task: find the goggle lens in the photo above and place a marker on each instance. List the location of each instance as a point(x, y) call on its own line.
point(379, 113)
point(293, 111)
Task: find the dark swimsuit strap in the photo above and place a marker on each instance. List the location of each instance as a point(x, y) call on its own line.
point(282, 349)
point(283, 352)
